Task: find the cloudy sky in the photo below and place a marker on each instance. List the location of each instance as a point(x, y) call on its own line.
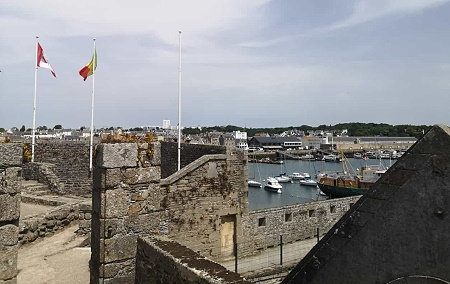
point(253, 63)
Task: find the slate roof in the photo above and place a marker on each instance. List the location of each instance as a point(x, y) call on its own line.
point(398, 232)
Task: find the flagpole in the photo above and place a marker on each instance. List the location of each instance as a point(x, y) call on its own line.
point(33, 139)
point(92, 111)
point(179, 103)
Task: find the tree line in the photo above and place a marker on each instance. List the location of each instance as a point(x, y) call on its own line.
point(353, 129)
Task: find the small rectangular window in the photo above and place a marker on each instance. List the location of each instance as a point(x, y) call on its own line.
point(311, 213)
point(261, 222)
point(288, 217)
point(332, 208)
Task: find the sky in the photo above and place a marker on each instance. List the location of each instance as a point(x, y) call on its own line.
point(253, 63)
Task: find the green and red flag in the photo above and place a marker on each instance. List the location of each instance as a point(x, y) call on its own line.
point(88, 70)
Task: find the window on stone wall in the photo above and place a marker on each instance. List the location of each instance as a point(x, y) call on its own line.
point(351, 204)
point(262, 221)
point(312, 213)
point(288, 217)
point(332, 208)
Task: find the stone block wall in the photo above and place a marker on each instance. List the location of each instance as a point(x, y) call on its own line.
point(160, 260)
point(71, 163)
point(42, 225)
point(125, 205)
point(130, 200)
point(189, 153)
point(262, 228)
point(84, 218)
point(10, 175)
point(44, 173)
point(200, 195)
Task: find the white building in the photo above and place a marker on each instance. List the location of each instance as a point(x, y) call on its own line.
point(166, 124)
point(240, 135)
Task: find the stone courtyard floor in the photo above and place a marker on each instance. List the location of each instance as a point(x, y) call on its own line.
point(54, 260)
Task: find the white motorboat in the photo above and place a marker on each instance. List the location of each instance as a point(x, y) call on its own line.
point(357, 156)
point(299, 176)
point(272, 185)
point(308, 182)
point(283, 178)
point(254, 183)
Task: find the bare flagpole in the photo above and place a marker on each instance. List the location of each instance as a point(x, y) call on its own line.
point(91, 145)
point(179, 104)
point(33, 139)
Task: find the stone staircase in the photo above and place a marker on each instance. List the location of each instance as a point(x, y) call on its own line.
point(33, 187)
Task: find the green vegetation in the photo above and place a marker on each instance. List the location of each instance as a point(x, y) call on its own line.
point(353, 128)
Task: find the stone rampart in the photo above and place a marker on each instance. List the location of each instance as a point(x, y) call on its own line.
point(130, 200)
point(10, 175)
point(190, 153)
point(263, 228)
point(44, 173)
point(71, 163)
point(42, 225)
point(161, 260)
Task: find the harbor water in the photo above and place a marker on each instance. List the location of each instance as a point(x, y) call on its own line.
point(295, 193)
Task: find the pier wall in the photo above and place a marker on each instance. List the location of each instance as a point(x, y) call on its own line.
point(263, 228)
point(10, 175)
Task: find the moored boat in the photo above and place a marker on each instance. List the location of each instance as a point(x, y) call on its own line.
point(254, 183)
point(299, 176)
point(308, 182)
point(283, 178)
point(343, 185)
point(272, 185)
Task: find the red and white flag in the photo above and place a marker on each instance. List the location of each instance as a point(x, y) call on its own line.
point(42, 61)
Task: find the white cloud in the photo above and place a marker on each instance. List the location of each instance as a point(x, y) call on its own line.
point(369, 10)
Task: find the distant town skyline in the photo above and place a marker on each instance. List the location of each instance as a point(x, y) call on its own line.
point(255, 63)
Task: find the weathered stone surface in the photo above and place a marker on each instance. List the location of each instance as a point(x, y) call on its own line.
point(156, 159)
point(116, 155)
point(63, 162)
point(11, 178)
point(114, 203)
point(8, 263)
point(109, 178)
point(119, 248)
point(9, 235)
point(9, 207)
point(11, 154)
point(111, 270)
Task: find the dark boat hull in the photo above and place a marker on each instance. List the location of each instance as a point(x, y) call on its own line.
point(338, 191)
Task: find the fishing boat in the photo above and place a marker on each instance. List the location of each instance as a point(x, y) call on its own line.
point(272, 185)
point(349, 182)
point(338, 185)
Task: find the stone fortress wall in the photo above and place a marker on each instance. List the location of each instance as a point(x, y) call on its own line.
point(203, 207)
point(10, 175)
point(65, 162)
point(139, 194)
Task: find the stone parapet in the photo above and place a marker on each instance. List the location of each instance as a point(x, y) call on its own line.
point(70, 160)
point(262, 228)
point(160, 260)
point(130, 200)
point(10, 184)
